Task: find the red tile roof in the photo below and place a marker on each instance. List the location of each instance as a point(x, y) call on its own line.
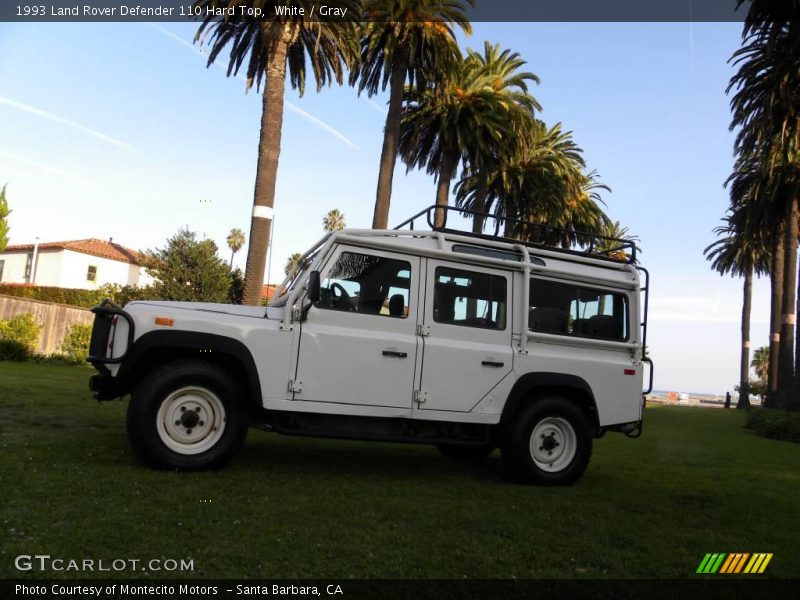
point(267, 290)
point(91, 246)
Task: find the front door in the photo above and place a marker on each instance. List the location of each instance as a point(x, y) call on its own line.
point(358, 345)
point(467, 346)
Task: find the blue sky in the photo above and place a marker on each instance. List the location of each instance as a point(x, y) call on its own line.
point(120, 130)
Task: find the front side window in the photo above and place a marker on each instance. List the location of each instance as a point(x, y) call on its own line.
point(569, 309)
point(366, 284)
point(91, 273)
point(469, 299)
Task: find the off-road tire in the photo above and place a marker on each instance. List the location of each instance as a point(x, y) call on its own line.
point(562, 446)
point(165, 434)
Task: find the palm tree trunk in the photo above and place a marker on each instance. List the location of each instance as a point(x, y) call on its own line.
point(789, 317)
point(269, 148)
point(480, 201)
point(776, 300)
point(508, 229)
point(231, 264)
point(447, 168)
point(391, 139)
point(794, 397)
point(744, 366)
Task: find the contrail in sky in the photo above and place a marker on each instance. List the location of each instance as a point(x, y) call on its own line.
point(319, 123)
point(46, 168)
point(62, 121)
point(290, 105)
point(375, 106)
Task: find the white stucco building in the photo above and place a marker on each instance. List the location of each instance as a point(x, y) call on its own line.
point(85, 264)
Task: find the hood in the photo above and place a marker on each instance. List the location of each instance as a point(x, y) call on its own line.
point(258, 312)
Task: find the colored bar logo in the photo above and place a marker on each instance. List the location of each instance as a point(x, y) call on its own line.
point(735, 563)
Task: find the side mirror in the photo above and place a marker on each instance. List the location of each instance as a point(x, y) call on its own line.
point(313, 286)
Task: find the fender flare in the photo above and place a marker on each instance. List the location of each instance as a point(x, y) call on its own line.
point(203, 344)
point(544, 379)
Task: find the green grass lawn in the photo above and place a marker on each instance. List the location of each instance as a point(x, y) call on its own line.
point(695, 482)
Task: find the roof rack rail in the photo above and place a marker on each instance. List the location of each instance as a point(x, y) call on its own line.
point(537, 235)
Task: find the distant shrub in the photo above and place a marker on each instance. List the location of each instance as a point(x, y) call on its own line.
point(774, 424)
point(18, 337)
point(122, 294)
point(14, 351)
point(236, 289)
point(75, 346)
point(60, 360)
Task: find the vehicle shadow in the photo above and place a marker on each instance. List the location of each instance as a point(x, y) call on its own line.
point(275, 454)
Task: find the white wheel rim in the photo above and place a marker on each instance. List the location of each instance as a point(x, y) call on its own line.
point(191, 420)
point(553, 444)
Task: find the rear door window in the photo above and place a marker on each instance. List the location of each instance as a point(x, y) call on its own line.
point(470, 299)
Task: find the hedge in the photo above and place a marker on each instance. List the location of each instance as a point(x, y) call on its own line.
point(73, 297)
point(77, 297)
point(774, 424)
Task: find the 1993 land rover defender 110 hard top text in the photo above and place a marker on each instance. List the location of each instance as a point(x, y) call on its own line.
point(466, 341)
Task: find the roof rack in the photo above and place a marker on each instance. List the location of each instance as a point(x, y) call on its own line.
point(539, 235)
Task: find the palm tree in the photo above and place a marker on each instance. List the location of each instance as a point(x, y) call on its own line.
point(760, 362)
point(235, 241)
point(582, 213)
point(508, 81)
point(270, 46)
point(764, 108)
point(606, 244)
point(333, 221)
point(542, 182)
point(758, 199)
point(775, 313)
point(739, 255)
point(292, 263)
point(468, 116)
point(404, 40)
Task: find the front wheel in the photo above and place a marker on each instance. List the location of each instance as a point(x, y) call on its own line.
point(548, 443)
point(187, 415)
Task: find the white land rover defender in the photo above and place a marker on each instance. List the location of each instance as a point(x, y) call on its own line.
point(464, 341)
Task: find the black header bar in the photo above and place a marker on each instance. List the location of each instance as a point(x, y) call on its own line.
point(38, 11)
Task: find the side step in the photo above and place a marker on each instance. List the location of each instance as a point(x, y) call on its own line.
point(377, 429)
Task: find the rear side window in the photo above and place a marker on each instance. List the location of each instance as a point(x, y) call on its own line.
point(469, 299)
point(567, 309)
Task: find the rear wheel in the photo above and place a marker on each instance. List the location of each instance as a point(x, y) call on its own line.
point(187, 415)
point(548, 443)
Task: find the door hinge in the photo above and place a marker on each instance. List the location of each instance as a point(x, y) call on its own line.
point(420, 396)
point(295, 386)
point(423, 330)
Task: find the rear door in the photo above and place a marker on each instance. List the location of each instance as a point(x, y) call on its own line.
point(466, 335)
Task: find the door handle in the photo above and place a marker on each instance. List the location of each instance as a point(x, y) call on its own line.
point(394, 353)
point(491, 363)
